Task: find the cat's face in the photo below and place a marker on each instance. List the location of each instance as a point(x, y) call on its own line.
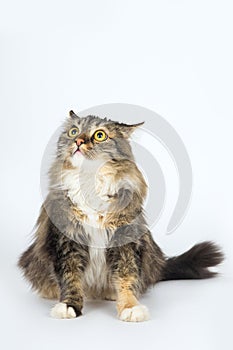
point(94, 138)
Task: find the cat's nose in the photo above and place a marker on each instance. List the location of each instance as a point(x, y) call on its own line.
point(79, 142)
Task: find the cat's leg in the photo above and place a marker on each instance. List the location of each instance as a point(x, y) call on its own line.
point(128, 307)
point(128, 285)
point(69, 268)
point(71, 291)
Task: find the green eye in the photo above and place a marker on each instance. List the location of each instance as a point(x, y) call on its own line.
point(100, 135)
point(73, 132)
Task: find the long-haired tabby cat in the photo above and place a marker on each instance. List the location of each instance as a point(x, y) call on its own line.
point(92, 240)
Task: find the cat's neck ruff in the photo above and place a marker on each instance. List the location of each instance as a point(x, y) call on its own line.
point(84, 189)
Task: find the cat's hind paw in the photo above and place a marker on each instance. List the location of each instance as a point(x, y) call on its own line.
point(138, 313)
point(62, 310)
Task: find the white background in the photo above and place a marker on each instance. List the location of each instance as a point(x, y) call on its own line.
point(172, 56)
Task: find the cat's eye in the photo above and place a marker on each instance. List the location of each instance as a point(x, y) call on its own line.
point(73, 132)
point(100, 135)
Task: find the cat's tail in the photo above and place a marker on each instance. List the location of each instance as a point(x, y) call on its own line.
point(194, 263)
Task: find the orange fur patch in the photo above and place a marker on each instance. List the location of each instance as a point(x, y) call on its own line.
point(126, 298)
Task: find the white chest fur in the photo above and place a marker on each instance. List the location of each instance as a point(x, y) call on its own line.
point(88, 190)
point(83, 193)
point(96, 272)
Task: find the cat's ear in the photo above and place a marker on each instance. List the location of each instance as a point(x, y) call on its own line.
point(73, 115)
point(128, 129)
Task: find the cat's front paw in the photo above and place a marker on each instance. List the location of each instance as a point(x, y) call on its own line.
point(138, 313)
point(62, 310)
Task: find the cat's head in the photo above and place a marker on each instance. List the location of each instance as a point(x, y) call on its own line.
point(94, 138)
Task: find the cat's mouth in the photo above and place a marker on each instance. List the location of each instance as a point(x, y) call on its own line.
point(78, 151)
point(81, 151)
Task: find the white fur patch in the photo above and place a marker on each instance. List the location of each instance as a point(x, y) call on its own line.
point(86, 191)
point(96, 272)
point(137, 313)
point(61, 310)
point(91, 185)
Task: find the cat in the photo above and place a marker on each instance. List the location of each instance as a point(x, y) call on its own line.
point(92, 239)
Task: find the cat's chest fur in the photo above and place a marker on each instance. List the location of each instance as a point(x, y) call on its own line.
point(96, 273)
point(89, 191)
point(83, 194)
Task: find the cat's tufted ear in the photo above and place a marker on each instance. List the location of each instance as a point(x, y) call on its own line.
point(127, 129)
point(73, 115)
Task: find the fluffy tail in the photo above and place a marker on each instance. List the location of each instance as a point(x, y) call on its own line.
point(194, 263)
